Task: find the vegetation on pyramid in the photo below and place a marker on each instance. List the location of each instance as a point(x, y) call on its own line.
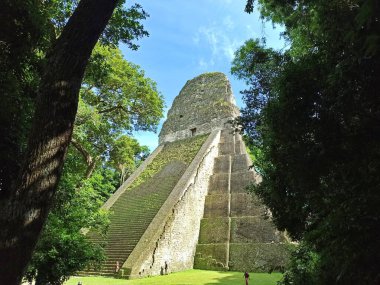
point(182, 150)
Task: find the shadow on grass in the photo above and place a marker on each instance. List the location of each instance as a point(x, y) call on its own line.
point(237, 278)
point(228, 279)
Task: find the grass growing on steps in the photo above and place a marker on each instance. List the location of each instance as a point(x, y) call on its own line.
point(182, 150)
point(190, 277)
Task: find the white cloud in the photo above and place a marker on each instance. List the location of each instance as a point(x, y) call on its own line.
point(228, 23)
point(219, 40)
point(205, 65)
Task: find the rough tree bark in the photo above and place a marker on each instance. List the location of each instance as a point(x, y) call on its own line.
point(23, 214)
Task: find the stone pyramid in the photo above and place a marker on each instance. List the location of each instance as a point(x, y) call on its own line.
point(186, 206)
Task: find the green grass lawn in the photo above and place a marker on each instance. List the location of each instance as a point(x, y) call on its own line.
point(190, 277)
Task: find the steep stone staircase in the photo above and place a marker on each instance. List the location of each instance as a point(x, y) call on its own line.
point(234, 235)
point(134, 210)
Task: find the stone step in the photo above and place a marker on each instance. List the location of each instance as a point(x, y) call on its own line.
point(240, 147)
point(211, 256)
point(214, 230)
point(218, 183)
point(240, 162)
point(216, 206)
point(240, 180)
point(121, 242)
point(258, 257)
point(226, 148)
point(244, 204)
point(227, 135)
point(118, 254)
point(94, 273)
point(127, 231)
point(222, 164)
point(254, 229)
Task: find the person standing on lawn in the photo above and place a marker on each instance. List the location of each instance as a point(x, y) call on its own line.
point(246, 276)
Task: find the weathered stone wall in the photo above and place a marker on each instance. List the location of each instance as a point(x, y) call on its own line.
point(234, 234)
point(259, 257)
point(172, 236)
point(205, 103)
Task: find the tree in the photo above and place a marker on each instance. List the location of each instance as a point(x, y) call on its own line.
point(28, 30)
point(124, 26)
point(25, 206)
point(126, 156)
point(313, 111)
point(116, 98)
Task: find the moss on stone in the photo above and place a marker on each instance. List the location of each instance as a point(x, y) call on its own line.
point(214, 230)
point(182, 150)
point(211, 256)
point(259, 257)
point(254, 229)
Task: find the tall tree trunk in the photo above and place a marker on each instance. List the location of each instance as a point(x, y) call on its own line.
point(23, 214)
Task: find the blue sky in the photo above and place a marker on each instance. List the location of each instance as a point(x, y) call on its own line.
point(190, 37)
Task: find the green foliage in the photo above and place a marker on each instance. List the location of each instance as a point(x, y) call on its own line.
point(116, 98)
point(119, 92)
point(313, 112)
point(126, 155)
point(124, 26)
point(303, 267)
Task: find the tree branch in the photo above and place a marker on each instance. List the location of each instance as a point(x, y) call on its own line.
point(86, 155)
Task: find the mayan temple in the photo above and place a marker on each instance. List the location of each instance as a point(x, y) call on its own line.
point(186, 206)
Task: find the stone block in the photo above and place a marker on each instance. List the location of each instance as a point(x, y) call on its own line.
point(240, 162)
point(240, 181)
point(218, 183)
point(227, 135)
point(214, 230)
point(226, 148)
point(222, 164)
point(216, 206)
point(259, 257)
point(240, 147)
point(211, 256)
point(254, 229)
point(244, 204)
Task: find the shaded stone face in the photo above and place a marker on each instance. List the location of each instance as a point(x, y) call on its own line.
point(205, 103)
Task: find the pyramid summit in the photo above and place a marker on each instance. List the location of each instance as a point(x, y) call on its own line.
point(204, 104)
point(187, 206)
